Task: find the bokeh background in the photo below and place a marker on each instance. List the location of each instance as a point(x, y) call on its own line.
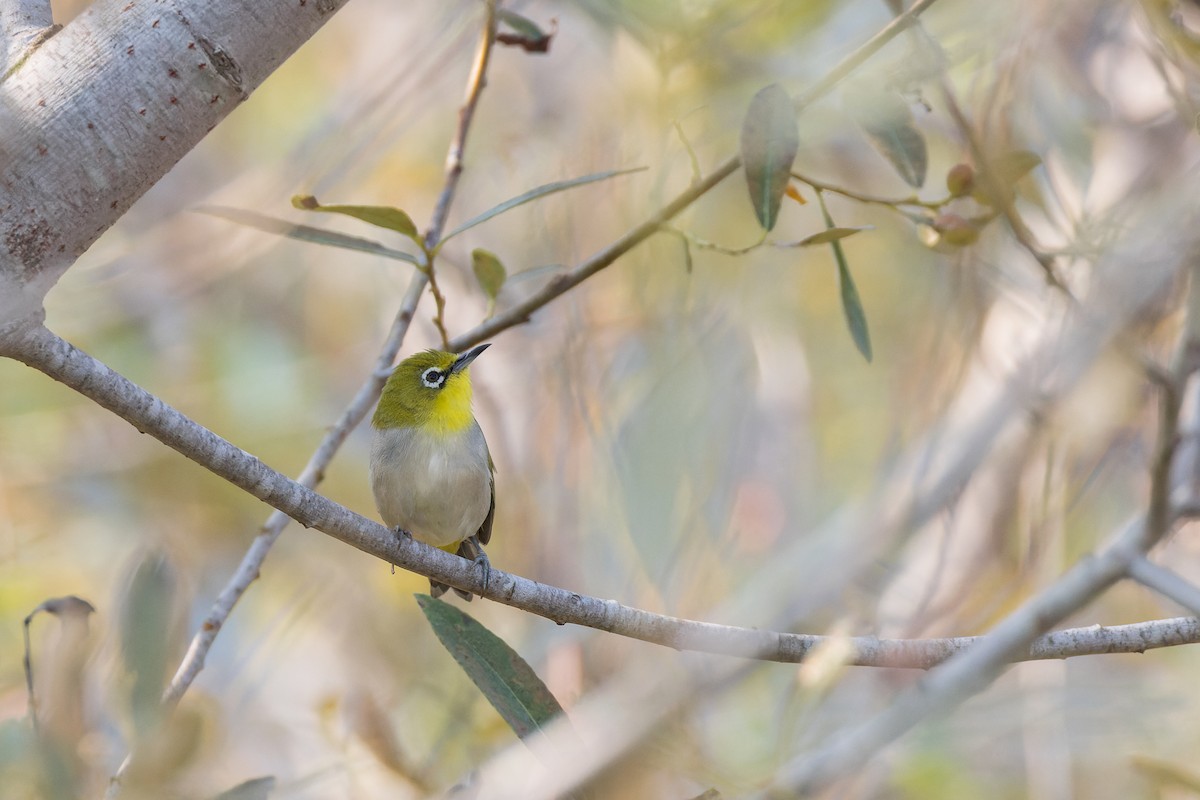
point(659, 433)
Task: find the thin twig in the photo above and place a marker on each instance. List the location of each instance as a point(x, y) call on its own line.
point(314, 471)
point(972, 671)
point(1000, 194)
point(98, 382)
point(869, 198)
point(1167, 583)
point(454, 162)
point(563, 283)
point(962, 676)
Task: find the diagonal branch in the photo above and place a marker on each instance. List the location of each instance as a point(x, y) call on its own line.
point(972, 671)
point(314, 472)
point(560, 284)
point(88, 129)
point(1167, 583)
point(76, 369)
point(24, 24)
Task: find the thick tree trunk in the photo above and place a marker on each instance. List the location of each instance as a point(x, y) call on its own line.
point(100, 111)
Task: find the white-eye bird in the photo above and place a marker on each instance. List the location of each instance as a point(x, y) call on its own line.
point(431, 471)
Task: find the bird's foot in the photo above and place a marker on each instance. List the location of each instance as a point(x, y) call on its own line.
point(401, 534)
point(471, 549)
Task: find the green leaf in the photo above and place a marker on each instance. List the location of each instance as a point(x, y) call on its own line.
point(253, 789)
point(520, 24)
point(489, 272)
point(380, 216)
point(856, 318)
point(770, 140)
point(528, 36)
point(506, 680)
point(305, 233)
point(534, 194)
point(146, 621)
point(826, 236)
point(888, 123)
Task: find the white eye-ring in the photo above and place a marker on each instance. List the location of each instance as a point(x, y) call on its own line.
point(433, 378)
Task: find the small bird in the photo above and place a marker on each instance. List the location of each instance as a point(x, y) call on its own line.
point(431, 471)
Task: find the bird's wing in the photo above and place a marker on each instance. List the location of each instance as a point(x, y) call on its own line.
point(485, 530)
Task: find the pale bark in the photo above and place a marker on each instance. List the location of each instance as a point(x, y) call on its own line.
point(100, 111)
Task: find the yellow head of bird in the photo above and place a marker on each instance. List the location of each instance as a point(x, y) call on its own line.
point(429, 390)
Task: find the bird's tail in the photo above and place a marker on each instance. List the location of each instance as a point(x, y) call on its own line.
point(438, 589)
point(472, 550)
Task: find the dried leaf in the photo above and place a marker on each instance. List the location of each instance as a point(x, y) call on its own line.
point(526, 33)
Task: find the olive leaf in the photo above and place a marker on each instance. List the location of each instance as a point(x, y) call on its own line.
point(770, 140)
point(490, 273)
point(856, 318)
point(305, 233)
point(888, 122)
point(825, 237)
point(534, 194)
point(393, 219)
point(506, 680)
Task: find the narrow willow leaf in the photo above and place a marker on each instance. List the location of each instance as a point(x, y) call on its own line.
point(387, 217)
point(856, 318)
point(770, 140)
point(888, 123)
point(535, 194)
point(253, 789)
point(826, 236)
point(305, 233)
point(506, 680)
point(490, 273)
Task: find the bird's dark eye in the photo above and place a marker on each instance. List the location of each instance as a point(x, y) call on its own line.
point(433, 378)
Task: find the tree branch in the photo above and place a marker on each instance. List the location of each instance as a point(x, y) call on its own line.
point(99, 112)
point(314, 471)
point(91, 378)
point(1167, 583)
point(560, 284)
point(975, 669)
point(24, 24)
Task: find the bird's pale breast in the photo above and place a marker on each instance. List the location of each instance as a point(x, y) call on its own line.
point(436, 487)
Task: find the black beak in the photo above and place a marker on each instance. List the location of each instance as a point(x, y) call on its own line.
point(464, 360)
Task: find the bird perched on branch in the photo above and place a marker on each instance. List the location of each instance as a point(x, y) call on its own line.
point(431, 472)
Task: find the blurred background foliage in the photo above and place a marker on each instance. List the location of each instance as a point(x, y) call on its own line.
point(657, 432)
